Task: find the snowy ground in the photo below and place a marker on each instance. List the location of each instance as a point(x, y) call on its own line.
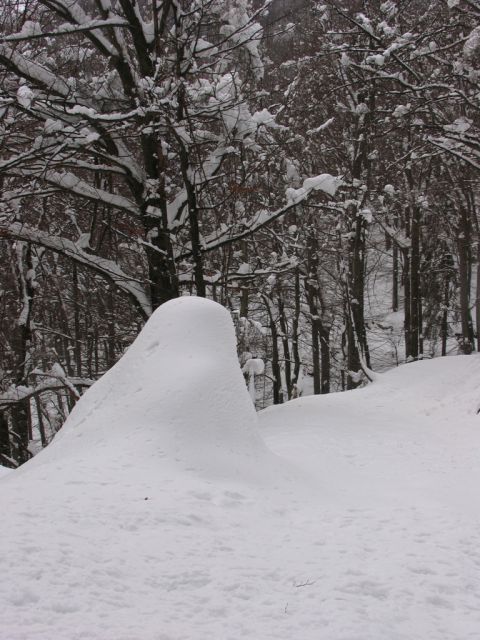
point(363, 524)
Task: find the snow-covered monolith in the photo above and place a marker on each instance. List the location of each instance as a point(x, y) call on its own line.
point(177, 394)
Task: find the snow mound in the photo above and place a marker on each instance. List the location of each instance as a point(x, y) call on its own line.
point(416, 427)
point(112, 541)
point(177, 394)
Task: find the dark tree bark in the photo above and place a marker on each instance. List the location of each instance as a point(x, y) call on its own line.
point(285, 344)
point(395, 275)
point(295, 328)
point(21, 343)
point(464, 275)
point(276, 370)
point(415, 282)
point(325, 358)
point(5, 446)
point(311, 284)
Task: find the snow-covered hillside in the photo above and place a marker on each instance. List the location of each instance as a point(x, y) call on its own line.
point(160, 513)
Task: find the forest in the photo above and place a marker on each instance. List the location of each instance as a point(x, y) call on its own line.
point(311, 166)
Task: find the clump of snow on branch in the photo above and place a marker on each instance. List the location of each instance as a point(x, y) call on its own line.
point(25, 96)
point(243, 31)
point(253, 367)
point(324, 182)
point(472, 44)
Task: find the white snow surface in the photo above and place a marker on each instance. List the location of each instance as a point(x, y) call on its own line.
point(177, 395)
point(25, 96)
point(324, 182)
point(159, 513)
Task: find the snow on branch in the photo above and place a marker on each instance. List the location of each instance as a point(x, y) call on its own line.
point(209, 169)
point(54, 383)
point(325, 182)
point(36, 73)
point(456, 150)
point(109, 269)
point(33, 30)
point(72, 183)
point(75, 16)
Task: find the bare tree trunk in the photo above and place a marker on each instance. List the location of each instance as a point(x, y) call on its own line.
point(447, 264)
point(41, 424)
point(415, 282)
point(394, 277)
point(5, 447)
point(244, 295)
point(76, 321)
point(21, 342)
point(444, 322)
point(477, 299)
point(325, 358)
point(295, 332)
point(420, 326)
point(276, 369)
point(311, 284)
point(286, 346)
point(317, 385)
point(111, 331)
point(464, 267)
point(407, 303)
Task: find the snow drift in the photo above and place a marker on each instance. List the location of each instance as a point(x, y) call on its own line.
point(109, 535)
point(177, 395)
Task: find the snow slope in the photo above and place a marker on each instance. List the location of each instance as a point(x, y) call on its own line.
point(177, 394)
point(160, 514)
